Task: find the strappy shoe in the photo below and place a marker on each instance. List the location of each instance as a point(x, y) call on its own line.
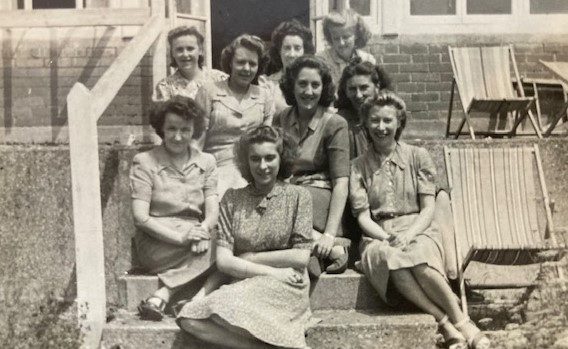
point(150, 311)
point(339, 264)
point(453, 340)
point(476, 340)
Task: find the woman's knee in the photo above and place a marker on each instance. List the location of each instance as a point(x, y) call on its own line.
point(193, 326)
point(402, 279)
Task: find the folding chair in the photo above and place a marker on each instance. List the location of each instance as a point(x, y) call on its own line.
point(560, 69)
point(495, 196)
point(482, 76)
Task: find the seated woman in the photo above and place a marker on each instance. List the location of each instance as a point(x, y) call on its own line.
point(186, 54)
point(359, 82)
point(174, 202)
point(392, 189)
point(234, 106)
point(263, 242)
point(346, 33)
point(290, 40)
point(323, 164)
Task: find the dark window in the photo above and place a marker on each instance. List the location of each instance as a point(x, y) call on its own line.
point(549, 6)
point(488, 7)
point(46, 4)
point(432, 7)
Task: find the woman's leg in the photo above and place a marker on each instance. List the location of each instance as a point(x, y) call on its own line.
point(211, 331)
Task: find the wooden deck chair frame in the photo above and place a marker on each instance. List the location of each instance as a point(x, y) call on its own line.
point(494, 207)
point(562, 74)
point(483, 78)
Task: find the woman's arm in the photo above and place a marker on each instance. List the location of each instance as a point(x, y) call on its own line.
point(239, 267)
point(290, 258)
point(143, 220)
point(337, 204)
point(202, 98)
point(370, 227)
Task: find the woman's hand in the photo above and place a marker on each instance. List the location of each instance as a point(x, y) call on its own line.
point(200, 246)
point(401, 240)
point(323, 246)
point(288, 275)
point(196, 233)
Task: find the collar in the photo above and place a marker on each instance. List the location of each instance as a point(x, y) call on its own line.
point(163, 158)
point(396, 157)
point(276, 190)
point(338, 60)
point(224, 90)
point(314, 122)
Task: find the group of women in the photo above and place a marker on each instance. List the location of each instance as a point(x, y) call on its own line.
point(283, 162)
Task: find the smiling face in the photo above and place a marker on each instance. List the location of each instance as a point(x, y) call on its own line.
point(382, 124)
point(186, 52)
point(359, 88)
point(292, 48)
point(343, 41)
point(307, 89)
point(244, 67)
point(177, 134)
point(264, 163)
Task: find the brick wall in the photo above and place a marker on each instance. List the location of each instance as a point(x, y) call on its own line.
point(39, 66)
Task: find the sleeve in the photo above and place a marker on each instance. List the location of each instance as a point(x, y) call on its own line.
point(358, 196)
point(161, 92)
point(217, 75)
point(268, 108)
point(224, 236)
point(302, 232)
point(202, 98)
point(140, 180)
point(211, 178)
point(425, 172)
point(337, 147)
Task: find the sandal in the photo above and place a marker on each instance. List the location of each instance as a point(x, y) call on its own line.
point(339, 264)
point(451, 341)
point(150, 311)
point(477, 340)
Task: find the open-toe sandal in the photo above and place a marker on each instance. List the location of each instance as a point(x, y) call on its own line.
point(451, 341)
point(339, 264)
point(150, 311)
point(477, 340)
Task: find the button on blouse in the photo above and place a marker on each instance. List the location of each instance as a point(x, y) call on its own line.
point(393, 187)
point(171, 192)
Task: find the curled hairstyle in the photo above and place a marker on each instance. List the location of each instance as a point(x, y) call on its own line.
point(285, 143)
point(347, 18)
point(288, 80)
point(284, 29)
point(387, 98)
point(184, 107)
point(183, 31)
point(357, 67)
point(250, 42)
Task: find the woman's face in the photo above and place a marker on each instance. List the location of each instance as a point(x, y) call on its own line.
point(264, 163)
point(382, 124)
point(186, 52)
point(244, 66)
point(292, 48)
point(177, 133)
point(359, 88)
point(343, 41)
point(308, 87)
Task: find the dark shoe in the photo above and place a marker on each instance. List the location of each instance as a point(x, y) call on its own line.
point(150, 311)
point(339, 264)
point(315, 267)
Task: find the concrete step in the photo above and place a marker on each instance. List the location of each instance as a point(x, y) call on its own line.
point(337, 329)
point(349, 290)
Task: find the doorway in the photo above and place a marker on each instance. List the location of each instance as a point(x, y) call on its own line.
point(230, 18)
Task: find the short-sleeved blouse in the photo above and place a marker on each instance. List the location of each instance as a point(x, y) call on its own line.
point(272, 84)
point(393, 187)
point(253, 222)
point(226, 119)
point(177, 85)
point(323, 148)
point(336, 64)
point(171, 192)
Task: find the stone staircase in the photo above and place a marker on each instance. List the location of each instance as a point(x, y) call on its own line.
point(351, 316)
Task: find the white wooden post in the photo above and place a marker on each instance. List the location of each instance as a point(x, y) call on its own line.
point(159, 54)
point(87, 215)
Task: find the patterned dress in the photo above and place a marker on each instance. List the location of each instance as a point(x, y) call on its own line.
point(177, 85)
point(271, 310)
point(390, 190)
point(336, 64)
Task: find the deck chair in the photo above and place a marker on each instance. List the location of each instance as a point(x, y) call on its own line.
point(560, 69)
point(482, 76)
point(498, 198)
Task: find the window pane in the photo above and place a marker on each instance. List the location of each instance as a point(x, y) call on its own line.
point(549, 6)
point(488, 7)
point(432, 7)
point(41, 4)
point(362, 7)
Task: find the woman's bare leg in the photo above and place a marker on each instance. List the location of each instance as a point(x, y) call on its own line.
point(407, 285)
point(210, 331)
